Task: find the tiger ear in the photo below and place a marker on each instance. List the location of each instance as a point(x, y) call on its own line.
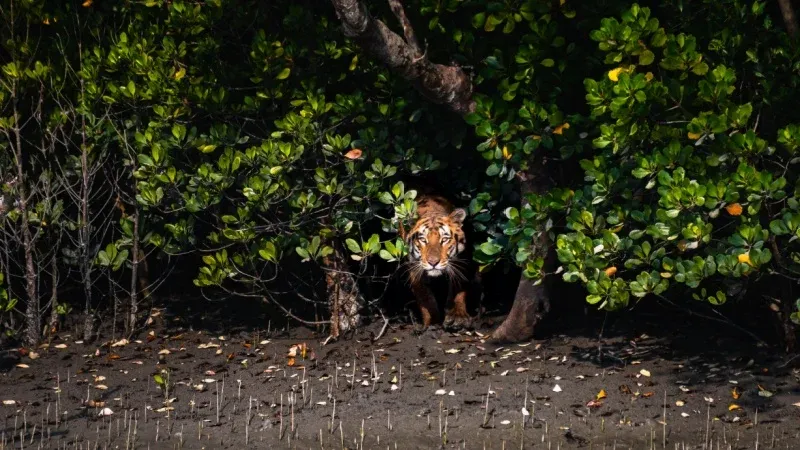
point(458, 215)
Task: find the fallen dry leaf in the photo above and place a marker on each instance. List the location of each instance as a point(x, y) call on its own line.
point(601, 395)
point(105, 412)
point(101, 387)
point(453, 351)
point(735, 394)
point(60, 346)
point(734, 407)
point(10, 402)
point(23, 366)
point(298, 348)
point(645, 372)
point(120, 343)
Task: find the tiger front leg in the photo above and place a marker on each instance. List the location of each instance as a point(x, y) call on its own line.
point(427, 304)
point(457, 317)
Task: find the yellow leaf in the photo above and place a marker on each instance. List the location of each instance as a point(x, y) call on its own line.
point(353, 63)
point(560, 129)
point(180, 73)
point(284, 74)
point(611, 271)
point(506, 153)
point(87, 3)
point(693, 135)
point(744, 258)
point(46, 21)
point(601, 395)
point(613, 75)
point(734, 407)
point(648, 76)
point(734, 209)
point(536, 137)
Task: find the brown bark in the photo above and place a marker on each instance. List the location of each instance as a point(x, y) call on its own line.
point(444, 85)
point(789, 19)
point(344, 298)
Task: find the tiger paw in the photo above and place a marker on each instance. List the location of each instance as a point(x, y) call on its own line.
point(455, 321)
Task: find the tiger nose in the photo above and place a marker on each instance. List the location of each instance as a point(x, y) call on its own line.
point(434, 260)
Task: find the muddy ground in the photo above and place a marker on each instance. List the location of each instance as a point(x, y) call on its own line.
point(209, 384)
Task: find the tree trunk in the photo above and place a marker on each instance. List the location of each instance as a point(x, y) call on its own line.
point(344, 299)
point(451, 87)
point(85, 232)
point(532, 301)
point(52, 326)
point(32, 312)
point(133, 307)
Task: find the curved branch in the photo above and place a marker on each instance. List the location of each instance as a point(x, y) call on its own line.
point(441, 84)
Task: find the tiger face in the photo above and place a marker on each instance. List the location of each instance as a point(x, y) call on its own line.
point(436, 241)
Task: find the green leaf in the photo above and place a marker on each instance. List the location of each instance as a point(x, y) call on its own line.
point(353, 246)
point(700, 68)
point(646, 58)
point(284, 74)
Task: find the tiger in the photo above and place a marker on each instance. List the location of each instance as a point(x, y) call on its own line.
point(434, 244)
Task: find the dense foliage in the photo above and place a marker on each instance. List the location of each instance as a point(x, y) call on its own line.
point(255, 136)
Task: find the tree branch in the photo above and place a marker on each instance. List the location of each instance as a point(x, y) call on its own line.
point(408, 30)
point(444, 85)
point(789, 19)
